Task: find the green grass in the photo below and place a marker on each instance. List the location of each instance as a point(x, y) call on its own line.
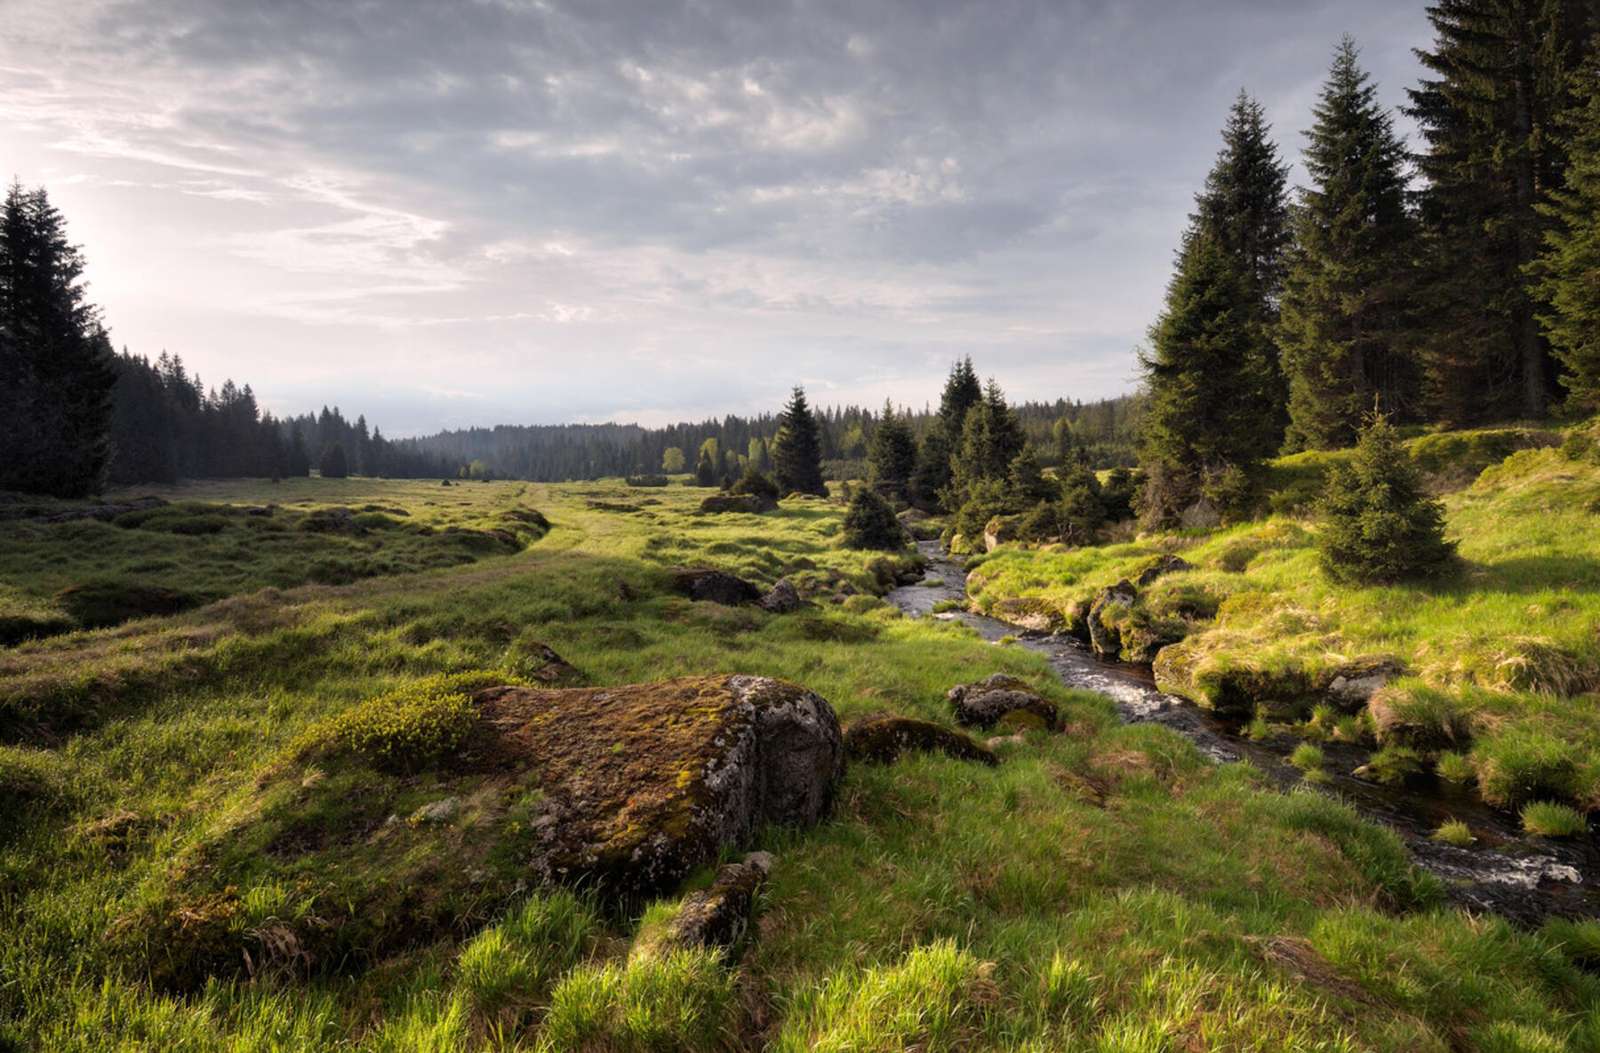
point(1502, 660)
point(1455, 832)
point(1547, 819)
point(1105, 888)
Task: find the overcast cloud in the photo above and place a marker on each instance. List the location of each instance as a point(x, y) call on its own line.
point(529, 211)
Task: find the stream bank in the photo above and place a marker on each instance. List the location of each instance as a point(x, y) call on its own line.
point(1507, 872)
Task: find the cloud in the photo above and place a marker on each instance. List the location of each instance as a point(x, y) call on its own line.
point(594, 208)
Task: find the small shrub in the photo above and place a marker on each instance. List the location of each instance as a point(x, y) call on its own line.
point(409, 727)
point(1454, 832)
point(1548, 819)
point(869, 523)
point(1378, 525)
point(648, 481)
point(754, 484)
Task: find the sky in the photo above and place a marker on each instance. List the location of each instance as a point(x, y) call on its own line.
point(443, 213)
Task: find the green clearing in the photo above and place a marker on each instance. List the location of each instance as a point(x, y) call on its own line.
point(1102, 889)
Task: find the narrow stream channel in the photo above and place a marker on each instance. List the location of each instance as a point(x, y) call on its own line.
point(1506, 872)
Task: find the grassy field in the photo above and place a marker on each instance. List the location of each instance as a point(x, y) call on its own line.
point(1501, 658)
point(1102, 889)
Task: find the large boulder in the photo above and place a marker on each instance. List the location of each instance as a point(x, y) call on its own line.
point(1353, 684)
point(1002, 699)
point(1110, 608)
point(883, 739)
point(643, 784)
point(715, 586)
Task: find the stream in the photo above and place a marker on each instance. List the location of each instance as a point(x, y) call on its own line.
point(1505, 872)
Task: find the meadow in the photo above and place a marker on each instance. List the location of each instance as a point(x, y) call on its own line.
point(1104, 888)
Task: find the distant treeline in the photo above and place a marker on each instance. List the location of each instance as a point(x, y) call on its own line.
point(165, 426)
point(1105, 430)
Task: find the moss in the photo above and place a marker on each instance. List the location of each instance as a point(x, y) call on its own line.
point(409, 728)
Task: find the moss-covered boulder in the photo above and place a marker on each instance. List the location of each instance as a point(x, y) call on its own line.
point(1160, 567)
point(1110, 610)
point(643, 784)
point(1231, 682)
point(1029, 613)
point(884, 739)
point(1002, 700)
point(715, 918)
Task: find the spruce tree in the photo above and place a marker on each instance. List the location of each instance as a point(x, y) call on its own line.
point(797, 450)
point(892, 453)
point(931, 479)
point(1028, 485)
point(299, 461)
point(1199, 379)
point(1344, 304)
point(1492, 152)
point(990, 441)
point(1379, 525)
point(869, 523)
point(1082, 507)
point(1568, 273)
point(57, 368)
point(1244, 208)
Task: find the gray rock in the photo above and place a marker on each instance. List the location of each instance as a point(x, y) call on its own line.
point(441, 811)
point(1002, 699)
point(782, 598)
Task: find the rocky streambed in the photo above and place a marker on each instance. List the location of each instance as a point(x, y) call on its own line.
point(1505, 872)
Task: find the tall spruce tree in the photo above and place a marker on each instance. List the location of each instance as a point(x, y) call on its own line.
point(931, 479)
point(56, 362)
point(797, 450)
point(892, 453)
point(991, 440)
point(1244, 208)
point(1198, 376)
point(1491, 154)
point(1345, 299)
point(1568, 273)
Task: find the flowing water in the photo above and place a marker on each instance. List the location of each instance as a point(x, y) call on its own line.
point(1526, 879)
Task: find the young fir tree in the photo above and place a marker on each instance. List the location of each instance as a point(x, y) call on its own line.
point(56, 362)
point(1345, 297)
point(299, 461)
point(1082, 507)
point(1026, 480)
point(892, 453)
point(705, 469)
point(1244, 208)
point(870, 523)
point(1199, 380)
point(1378, 524)
point(797, 450)
point(1492, 153)
point(1568, 273)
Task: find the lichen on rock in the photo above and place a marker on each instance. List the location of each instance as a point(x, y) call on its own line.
point(1002, 699)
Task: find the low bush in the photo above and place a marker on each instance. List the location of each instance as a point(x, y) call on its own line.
point(409, 727)
point(1549, 819)
point(754, 484)
point(869, 523)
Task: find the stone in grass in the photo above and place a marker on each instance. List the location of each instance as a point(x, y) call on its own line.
point(883, 739)
point(782, 598)
point(646, 783)
point(1105, 634)
point(749, 504)
point(1002, 699)
point(715, 918)
point(1162, 566)
point(714, 586)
